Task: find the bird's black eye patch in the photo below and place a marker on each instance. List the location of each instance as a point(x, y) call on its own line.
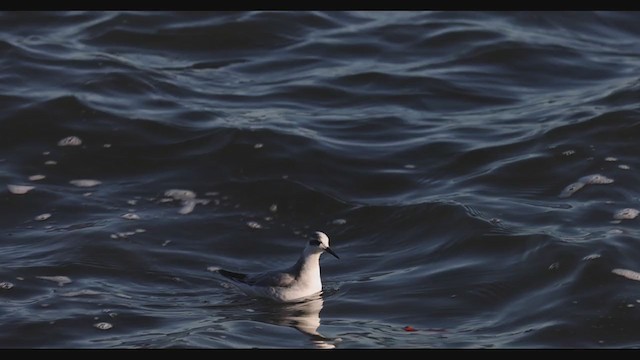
point(314, 242)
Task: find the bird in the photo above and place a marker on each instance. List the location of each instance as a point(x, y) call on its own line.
point(293, 284)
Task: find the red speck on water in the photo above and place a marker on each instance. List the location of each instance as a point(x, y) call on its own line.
point(409, 328)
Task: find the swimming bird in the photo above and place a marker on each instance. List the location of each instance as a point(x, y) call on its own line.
point(291, 284)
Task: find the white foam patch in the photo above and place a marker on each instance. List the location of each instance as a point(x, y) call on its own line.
point(19, 189)
point(85, 182)
point(131, 216)
point(629, 274)
point(5, 285)
point(42, 217)
point(611, 158)
point(568, 152)
point(254, 225)
point(51, 162)
point(624, 167)
point(339, 222)
point(61, 280)
point(70, 141)
point(595, 179)
point(187, 199)
point(626, 214)
point(103, 325)
point(180, 194)
point(591, 257)
point(213, 268)
point(36, 177)
point(187, 207)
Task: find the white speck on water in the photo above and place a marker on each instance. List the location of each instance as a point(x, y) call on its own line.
point(113, 236)
point(591, 256)
point(131, 216)
point(85, 182)
point(165, 200)
point(103, 325)
point(124, 296)
point(626, 214)
point(42, 217)
point(611, 158)
point(630, 305)
point(409, 166)
point(46, 153)
point(212, 193)
point(629, 274)
point(61, 280)
point(36, 177)
point(213, 268)
point(273, 208)
point(254, 225)
point(140, 230)
point(19, 278)
point(112, 315)
point(5, 285)
point(339, 222)
point(70, 141)
point(166, 242)
point(554, 266)
point(106, 145)
point(615, 231)
point(19, 189)
point(87, 194)
point(568, 152)
point(132, 202)
point(624, 167)
point(258, 146)
point(249, 310)
point(268, 218)
point(50, 162)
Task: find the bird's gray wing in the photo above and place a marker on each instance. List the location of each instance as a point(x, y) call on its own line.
point(271, 278)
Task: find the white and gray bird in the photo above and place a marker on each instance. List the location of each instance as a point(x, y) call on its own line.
point(295, 283)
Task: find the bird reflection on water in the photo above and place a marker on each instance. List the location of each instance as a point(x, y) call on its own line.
point(303, 316)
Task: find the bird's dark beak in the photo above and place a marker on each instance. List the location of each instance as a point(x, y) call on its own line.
point(331, 252)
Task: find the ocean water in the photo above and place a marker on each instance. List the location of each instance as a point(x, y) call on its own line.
point(472, 170)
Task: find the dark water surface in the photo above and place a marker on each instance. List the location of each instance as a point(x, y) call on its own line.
point(432, 147)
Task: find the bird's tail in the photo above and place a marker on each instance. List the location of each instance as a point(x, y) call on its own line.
point(232, 275)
